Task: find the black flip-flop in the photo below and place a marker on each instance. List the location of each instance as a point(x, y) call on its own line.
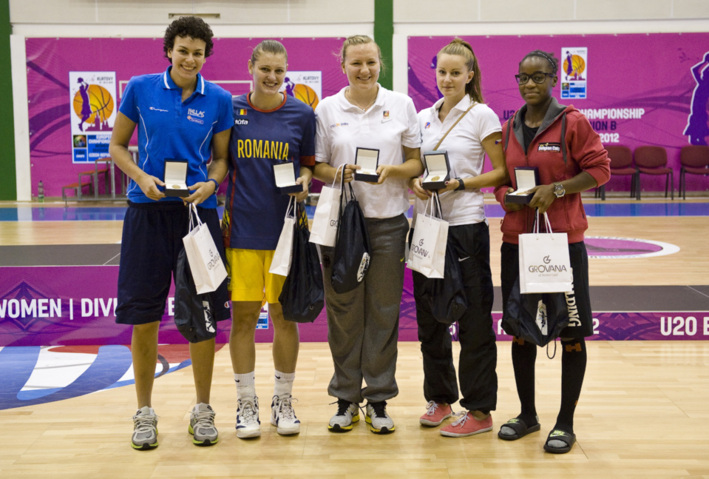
point(519, 427)
point(558, 435)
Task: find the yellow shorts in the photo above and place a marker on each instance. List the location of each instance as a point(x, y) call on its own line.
point(249, 276)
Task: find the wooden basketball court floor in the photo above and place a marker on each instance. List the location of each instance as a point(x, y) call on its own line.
point(643, 412)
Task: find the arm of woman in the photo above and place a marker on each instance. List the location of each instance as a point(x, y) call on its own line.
point(544, 194)
point(492, 144)
point(410, 168)
point(328, 173)
point(118, 148)
point(306, 174)
point(217, 171)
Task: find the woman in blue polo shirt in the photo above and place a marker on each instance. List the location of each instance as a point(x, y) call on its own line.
point(179, 116)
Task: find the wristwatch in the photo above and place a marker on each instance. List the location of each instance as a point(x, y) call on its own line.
point(461, 185)
point(559, 190)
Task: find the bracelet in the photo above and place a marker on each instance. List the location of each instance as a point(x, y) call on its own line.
point(216, 183)
point(461, 185)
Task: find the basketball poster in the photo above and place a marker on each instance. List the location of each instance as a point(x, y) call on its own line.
point(305, 86)
point(574, 73)
point(92, 99)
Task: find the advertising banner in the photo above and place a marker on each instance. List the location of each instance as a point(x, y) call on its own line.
point(74, 87)
point(635, 89)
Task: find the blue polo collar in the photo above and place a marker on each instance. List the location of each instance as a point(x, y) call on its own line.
point(169, 84)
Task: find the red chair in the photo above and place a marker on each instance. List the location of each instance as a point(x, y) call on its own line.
point(621, 165)
point(695, 161)
point(652, 160)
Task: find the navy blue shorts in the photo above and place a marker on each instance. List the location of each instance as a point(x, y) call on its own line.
point(152, 239)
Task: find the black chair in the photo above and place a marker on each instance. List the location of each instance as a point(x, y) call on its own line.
point(621, 165)
point(652, 160)
point(695, 161)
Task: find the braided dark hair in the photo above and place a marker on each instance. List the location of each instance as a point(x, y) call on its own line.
point(549, 57)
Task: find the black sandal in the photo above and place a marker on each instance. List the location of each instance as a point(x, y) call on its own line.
point(558, 435)
point(519, 427)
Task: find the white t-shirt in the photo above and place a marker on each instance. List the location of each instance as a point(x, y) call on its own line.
point(387, 125)
point(465, 155)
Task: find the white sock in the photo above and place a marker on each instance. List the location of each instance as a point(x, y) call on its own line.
point(284, 384)
point(245, 385)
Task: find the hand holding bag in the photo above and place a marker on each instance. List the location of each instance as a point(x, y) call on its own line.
point(206, 263)
point(302, 297)
point(323, 230)
point(283, 254)
point(352, 250)
point(544, 265)
point(427, 253)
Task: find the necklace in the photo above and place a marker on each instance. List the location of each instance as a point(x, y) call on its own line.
point(349, 98)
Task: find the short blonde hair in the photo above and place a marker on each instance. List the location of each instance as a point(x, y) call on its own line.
point(358, 40)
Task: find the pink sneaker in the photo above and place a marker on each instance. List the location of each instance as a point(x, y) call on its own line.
point(467, 425)
point(436, 413)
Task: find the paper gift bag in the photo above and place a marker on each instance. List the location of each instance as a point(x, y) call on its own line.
point(206, 264)
point(323, 230)
point(427, 253)
point(284, 249)
point(544, 265)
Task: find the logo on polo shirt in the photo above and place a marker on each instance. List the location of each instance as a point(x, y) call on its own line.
point(555, 147)
point(152, 108)
point(335, 125)
point(241, 121)
point(195, 116)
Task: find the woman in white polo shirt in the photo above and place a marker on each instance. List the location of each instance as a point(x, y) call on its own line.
point(469, 129)
point(363, 323)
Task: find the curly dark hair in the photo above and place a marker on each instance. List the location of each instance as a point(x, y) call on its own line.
point(193, 27)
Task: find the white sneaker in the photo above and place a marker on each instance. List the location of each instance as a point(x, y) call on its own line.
point(202, 428)
point(283, 416)
point(145, 429)
point(378, 419)
point(347, 414)
point(247, 421)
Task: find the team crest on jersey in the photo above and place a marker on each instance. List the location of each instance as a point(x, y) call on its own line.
point(242, 112)
point(428, 125)
point(553, 147)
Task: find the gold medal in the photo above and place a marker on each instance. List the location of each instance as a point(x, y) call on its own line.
point(435, 178)
point(176, 187)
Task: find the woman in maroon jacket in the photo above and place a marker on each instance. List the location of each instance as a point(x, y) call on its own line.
point(560, 142)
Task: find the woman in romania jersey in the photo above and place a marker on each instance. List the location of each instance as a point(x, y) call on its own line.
point(270, 128)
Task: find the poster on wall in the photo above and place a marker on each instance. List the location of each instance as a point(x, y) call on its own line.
point(574, 72)
point(92, 98)
point(305, 86)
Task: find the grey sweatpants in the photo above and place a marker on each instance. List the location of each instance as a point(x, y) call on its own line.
point(363, 324)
